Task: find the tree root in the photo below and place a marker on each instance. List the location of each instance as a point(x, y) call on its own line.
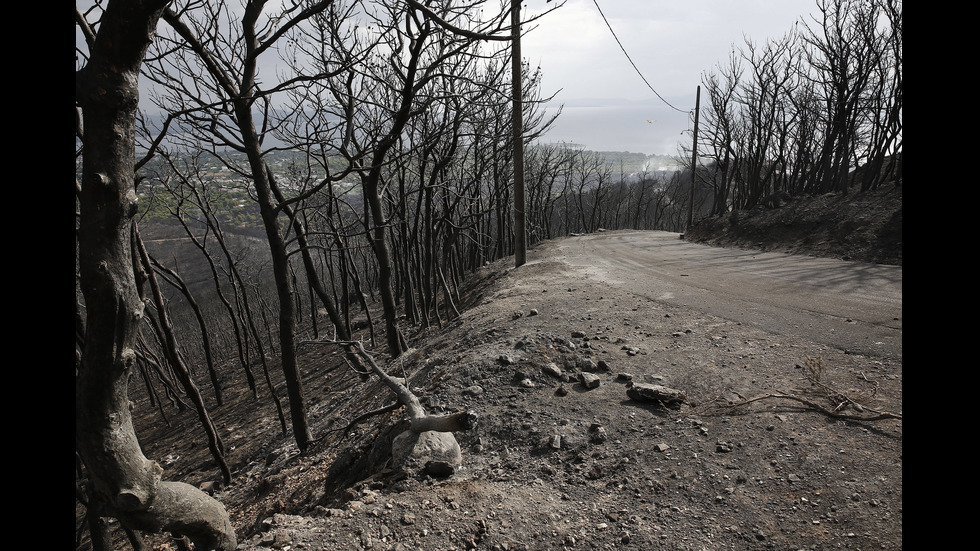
point(183, 509)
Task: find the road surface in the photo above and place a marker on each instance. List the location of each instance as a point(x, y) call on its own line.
point(849, 305)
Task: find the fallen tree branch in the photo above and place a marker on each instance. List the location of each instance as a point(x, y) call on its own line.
point(879, 415)
point(420, 420)
point(386, 409)
point(813, 372)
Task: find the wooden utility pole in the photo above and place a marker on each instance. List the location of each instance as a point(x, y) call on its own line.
point(694, 160)
point(520, 238)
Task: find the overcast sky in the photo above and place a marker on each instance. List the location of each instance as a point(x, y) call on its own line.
point(608, 106)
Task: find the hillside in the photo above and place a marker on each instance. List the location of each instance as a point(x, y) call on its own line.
point(864, 227)
point(554, 464)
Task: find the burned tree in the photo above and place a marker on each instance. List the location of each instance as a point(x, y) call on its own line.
point(122, 482)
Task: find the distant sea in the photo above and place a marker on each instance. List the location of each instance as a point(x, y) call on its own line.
point(616, 125)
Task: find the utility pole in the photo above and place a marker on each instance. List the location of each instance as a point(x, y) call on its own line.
point(520, 238)
point(694, 161)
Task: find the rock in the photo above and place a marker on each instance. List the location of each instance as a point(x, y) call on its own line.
point(589, 380)
point(656, 393)
point(552, 370)
point(587, 364)
point(412, 451)
point(523, 372)
point(597, 434)
point(276, 541)
point(474, 390)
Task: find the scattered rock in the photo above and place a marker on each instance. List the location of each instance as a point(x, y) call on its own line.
point(656, 393)
point(276, 540)
point(552, 369)
point(597, 434)
point(589, 380)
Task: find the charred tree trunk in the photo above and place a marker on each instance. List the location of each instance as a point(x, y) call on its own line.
point(177, 282)
point(183, 373)
point(124, 480)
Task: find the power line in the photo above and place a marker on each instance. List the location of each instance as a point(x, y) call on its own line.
point(631, 60)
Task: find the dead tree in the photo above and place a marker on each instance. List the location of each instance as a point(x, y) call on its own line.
point(127, 484)
point(428, 443)
point(173, 356)
point(175, 280)
point(231, 69)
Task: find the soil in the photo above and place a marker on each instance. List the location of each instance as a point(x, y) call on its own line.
point(552, 464)
point(864, 227)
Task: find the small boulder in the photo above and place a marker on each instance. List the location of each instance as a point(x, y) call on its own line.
point(412, 452)
point(589, 380)
point(656, 393)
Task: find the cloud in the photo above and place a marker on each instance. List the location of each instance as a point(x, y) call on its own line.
point(671, 43)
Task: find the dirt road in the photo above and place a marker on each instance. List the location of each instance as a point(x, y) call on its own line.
point(849, 305)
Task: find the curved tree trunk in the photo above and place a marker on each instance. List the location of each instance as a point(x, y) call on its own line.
point(127, 483)
point(183, 373)
point(178, 283)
